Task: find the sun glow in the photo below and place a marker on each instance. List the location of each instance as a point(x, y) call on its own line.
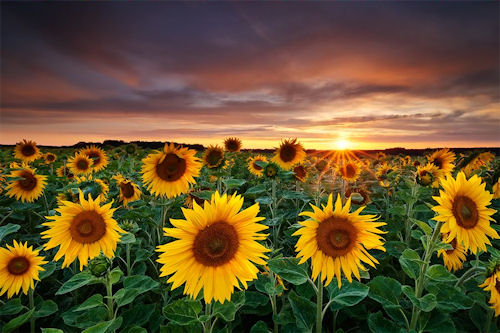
point(342, 144)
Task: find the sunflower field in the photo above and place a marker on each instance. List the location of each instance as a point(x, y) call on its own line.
point(129, 239)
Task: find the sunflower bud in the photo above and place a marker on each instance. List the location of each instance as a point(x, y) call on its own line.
point(99, 266)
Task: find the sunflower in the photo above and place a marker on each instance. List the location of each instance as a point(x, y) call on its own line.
point(28, 187)
point(427, 175)
point(232, 144)
point(216, 248)
point(380, 156)
point(481, 160)
point(289, 153)
point(337, 240)
point(496, 189)
point(300, 172)
point(321, 165)
point(66, 196)
point(253, 167)
point(271, 170)
point(213, 157)
point(80, 164)
point(49, 158)
point(64, 171)
point(492, 284)
point(19, 267)
point(443, 159)
point(129, 192)
point(463, 210)
point(97, 155)
point(82, 230)
point(349, 170)
point(453, 259)
point(192, 197)
point(382, 174)
point(89, 183)
point(169, 172)
point(362, 194)
point(416, 163)
point(406, 160)
point(27, 151)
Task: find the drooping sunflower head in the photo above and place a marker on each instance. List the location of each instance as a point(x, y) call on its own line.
point(82, 230)
point(94, 186)
point(453, 258)
point(416, 163)
point(27, 186)
point(349, 170)
point(216, 248)
point(19, 267)
point(321, 165)
point(98, 156)
point(289, 153)
point(169, 172)
point(443, 159)
point(300, 172)
point(271, 170)
point(427, 175)
point(213, 157)
point(232, 144)
point(463, 209)
point(383, 171)
point(129, 191)
point(80, 164)
point(49, 158)
point(359, 196)
point(27, 151)
point(492, 284)
point(337, 240)
point(64, 171)
point(254, 167)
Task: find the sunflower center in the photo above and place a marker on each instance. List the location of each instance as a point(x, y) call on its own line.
point(18, 265)
point(256, 166)
point(28, 150)
point(82, 164)
point(349, 171)
point(232, 145)
point(321, 165)
point(216, 244)
point(497, 286)
point(214, 157)
point(50, 157)
point(127, 190)
point(453, 244)
point(465, 212)
point(287, 153)
point(95, 156)
point(87, 227)
point(28, 182)
point(271, 171)
point(336, 236)
point(437, 162)
point(171, 168)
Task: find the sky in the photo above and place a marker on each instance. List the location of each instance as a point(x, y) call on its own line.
point(375, 75)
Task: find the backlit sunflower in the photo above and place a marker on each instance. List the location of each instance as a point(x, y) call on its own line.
point(95, 186)
point(64, 171)
point(382, 174)
point(492, 284)
point(289, 153)
point(337, 241)
point(80, 164)
point(97, 155)
point(82, 230)
point(300, 172)
point(321, 164)
point(443, 159)
point(496, 189)
point(463, 210)
point(29, 187)
point(482, 160)
point(349, 170)
point(216, 248)
point(27, 151)
point(453, 259)
point(232, 144)
point(49, 158)
point(19, 267)
point(427, 175)
point(359, 196)
point(169, 172)
point(129, 191)
point(253, 167)
point(213, 157)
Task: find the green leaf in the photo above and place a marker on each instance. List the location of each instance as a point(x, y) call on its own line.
point(46, 309)
point(410, 263)
point(440, 273)
point(385, 290)
point(438, 322)
point(449, 298)
point(289, 269)
point(264, 200)
point(52, 330)
point(76, 281)
point(424, 226)
point(255, 299)
point(183, 311)
point(259, 327)
point(395, 248)
point(264, 285)
point(397, 210)
point(18, 321)
point(91, 302)
point(426, 303)
point(115, 275)
point(233, 183)
point(128, 238)
point(8, 229)
point(350, 294)
point(11, 307)
point(254, 190)
point(227, 310)
point(141, 282)
point(104, 326)
point(126, 296)
point(378, 323)
point(303, 309)
point(49, 269)
point(137, 329)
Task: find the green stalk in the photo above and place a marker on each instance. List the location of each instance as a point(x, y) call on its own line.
point(207, 328)
point(419, 286)
point(32, 306)
point(274, 305)
point(409, 215)
point(319, 306)
point(109, 294)
point(127, 253)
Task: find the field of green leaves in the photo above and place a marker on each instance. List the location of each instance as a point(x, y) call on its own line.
point(127, 239)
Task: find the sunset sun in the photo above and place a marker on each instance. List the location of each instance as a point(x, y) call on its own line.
point(343, 144)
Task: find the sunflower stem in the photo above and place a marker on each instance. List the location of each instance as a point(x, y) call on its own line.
point(471, 273)
point(31, 301)
point(319, 306)
point(419, 286)
point(109, 294)
point(274, 304)
point(207, 328)
point(45, 203)
point(127, 253)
